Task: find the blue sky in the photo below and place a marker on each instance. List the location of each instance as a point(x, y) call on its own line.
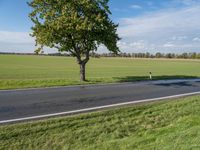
point(144, 25)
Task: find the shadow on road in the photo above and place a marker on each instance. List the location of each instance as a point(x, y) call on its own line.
point(140, 78)
point(175, 84)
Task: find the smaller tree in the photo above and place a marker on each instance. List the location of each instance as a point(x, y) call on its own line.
point(74, 26)
point(158, 55)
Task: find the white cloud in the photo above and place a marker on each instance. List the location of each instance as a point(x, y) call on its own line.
point(15, 37)
point(187, 2)
point(159, 29)
point(179, 38)
point(122, 44)
point(18, 42)
point(136, 6)
point(120, 10)
point(168, 45)
point(138, 45)
point(196, 39)
point(178, 21)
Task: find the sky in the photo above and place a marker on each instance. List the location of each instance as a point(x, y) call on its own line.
point(144, 26)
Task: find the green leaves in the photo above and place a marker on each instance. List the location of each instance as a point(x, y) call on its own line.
point(76, 26)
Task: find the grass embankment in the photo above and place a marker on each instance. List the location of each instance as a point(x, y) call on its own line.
point(158, 125)
point(43, 71)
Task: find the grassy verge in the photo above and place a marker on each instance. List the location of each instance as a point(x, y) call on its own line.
point(41, 71)
point(162, 125)
point(36, 83)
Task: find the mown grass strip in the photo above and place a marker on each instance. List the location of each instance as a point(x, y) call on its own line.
point(172, 124)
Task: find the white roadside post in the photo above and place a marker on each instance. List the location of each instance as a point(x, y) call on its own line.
point(150, 75)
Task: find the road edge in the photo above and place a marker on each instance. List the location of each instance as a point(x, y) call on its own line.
point(95, 108)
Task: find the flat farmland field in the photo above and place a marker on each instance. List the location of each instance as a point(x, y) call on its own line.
point(24, 71)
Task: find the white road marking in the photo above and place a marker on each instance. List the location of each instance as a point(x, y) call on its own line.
point(96, 108)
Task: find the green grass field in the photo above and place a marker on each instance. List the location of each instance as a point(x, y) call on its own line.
point(162, 125)
point(42, 71)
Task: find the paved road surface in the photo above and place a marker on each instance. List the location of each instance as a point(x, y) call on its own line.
point(16, 104)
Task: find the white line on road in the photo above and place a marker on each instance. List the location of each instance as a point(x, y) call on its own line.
point(95, 108)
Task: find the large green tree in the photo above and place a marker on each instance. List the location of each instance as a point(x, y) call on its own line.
point(74, 26)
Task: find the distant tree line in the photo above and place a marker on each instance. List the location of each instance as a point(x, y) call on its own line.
point(129, 55)
point(149, 55)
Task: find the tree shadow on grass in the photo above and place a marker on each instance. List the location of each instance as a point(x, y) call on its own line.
point(146, 78)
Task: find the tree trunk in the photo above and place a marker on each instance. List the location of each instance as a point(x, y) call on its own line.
point(82, 64)
point(82, 72)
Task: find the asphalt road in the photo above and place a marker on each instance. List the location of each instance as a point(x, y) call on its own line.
point(16, 104)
